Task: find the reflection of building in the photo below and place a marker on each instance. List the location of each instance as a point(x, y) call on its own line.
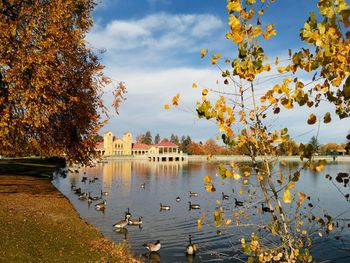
point(163, 151)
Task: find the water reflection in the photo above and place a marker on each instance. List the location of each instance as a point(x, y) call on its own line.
point(142, 186)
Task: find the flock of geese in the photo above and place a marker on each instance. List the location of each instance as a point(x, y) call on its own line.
point(128, 220)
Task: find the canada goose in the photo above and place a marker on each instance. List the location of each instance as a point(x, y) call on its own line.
point(193, 194)
point(127, 214)
point(164, 207)
point(122, 223)
point(73, 187)
point(77, 191)
point(225, 197)
point(104, 193)
point(83, 179)
point(238, 203)
point(191, 248)
point(193, 206)
point(178, 199)
point(82, 196)
point(153, 247)
point(95, 178)
point(89, 198)
point(95, 198)
point(135, 222)
point(266, 209)
point(101, 206)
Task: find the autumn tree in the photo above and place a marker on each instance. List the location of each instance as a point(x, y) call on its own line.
point(195, 149)
point(50, 80)
point(288, 147)
point(326, 58)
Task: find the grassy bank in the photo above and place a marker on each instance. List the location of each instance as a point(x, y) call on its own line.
point(38, 224)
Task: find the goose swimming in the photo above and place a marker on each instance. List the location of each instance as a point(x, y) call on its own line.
point(193, 194)
point(191, 248)
point(135, 222)
point(164, 207)
point(225, 197)
point(101, 206)
point(238, 203)
point(122, 223)
point(153, 247)
point(193, 206)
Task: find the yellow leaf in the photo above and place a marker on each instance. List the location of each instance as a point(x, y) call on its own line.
point(312, 119)
point(281, 69)
point(276, 61)
point(246, 173)
point(203, 52)
point(330, 226)
point(228, 221)
point(199, 224)
point(236, 176)
point(207, 179)
point(175, 100)
point(204, 92)
point(302, 197)
point(234, 23)
point(287, 197)
point(327, 118)
point(166, 106)
point(290, 185)
point(234, 6)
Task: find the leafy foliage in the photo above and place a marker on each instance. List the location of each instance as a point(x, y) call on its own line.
point(241, 108)
point(50, 80)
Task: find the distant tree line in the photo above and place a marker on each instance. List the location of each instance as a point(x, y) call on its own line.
point(210, 147)
point(182, 142)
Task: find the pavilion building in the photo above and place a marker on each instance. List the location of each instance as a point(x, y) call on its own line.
point(123, 147)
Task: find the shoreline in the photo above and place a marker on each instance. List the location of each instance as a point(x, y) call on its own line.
point(40, 224)
point(244, 158)
point(236, 158)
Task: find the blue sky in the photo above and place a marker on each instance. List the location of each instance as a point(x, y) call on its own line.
point(154, 46)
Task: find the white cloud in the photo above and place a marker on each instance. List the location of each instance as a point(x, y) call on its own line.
point(157, 32)
point(151, 55)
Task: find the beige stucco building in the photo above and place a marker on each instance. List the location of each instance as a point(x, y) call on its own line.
point(163, 151)
point(117, 146)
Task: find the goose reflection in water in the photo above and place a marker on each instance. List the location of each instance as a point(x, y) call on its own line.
point(152, 257)
point(122, 231)
point(190, 258)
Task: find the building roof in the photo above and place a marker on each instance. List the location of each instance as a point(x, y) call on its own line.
point(341, 150)
point(141, 146)
point(166, 144)
point(99, 145)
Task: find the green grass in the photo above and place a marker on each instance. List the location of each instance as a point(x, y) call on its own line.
point(29, 166)
point(38, 224)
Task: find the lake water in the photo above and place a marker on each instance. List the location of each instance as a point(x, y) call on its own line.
point(164, 182)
